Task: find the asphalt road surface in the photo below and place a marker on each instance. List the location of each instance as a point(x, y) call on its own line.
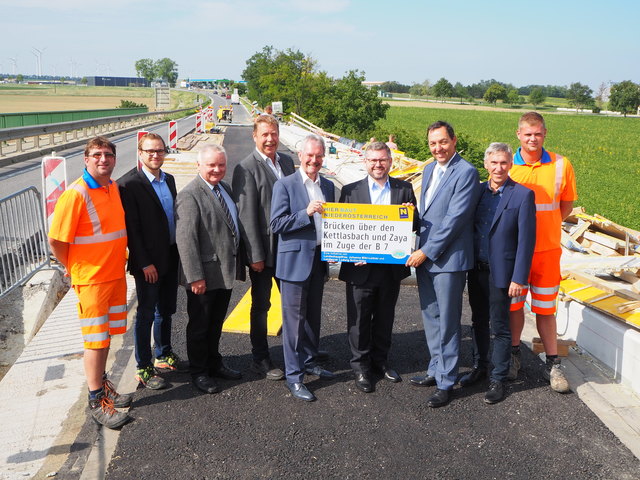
point(255, 429)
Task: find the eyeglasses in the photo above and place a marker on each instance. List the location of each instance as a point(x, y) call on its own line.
point(377, 160)
point(107, 155)
point(152, 152)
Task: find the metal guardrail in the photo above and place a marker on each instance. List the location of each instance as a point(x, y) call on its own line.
point(21, 139)
point(23, 238)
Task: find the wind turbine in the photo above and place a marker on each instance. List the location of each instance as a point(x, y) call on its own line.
point(38, 53)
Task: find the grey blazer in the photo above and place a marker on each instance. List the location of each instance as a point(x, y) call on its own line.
point(205, 240)
point(252, 184)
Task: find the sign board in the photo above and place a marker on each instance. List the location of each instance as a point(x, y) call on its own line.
point(54, 183)
point(163, 98)
point(138, 161)
point(354, 232)
point(277, 107)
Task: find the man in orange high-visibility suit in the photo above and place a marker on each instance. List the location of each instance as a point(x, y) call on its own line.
point(552, 179)
point(88, 236)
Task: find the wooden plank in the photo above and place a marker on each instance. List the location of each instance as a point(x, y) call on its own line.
point(631, 278)
point(617, 288)
point(563, 346)
point(600, 249)
point(580, 230)
point(604, 239)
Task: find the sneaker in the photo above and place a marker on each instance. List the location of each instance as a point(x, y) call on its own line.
point(147, 376)
point(554, 374)
point(514, 366)
point(119, 400)
point(495, 393)
point(103, 412)
point(171, 362)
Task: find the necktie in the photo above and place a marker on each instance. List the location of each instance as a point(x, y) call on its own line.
point(225, 209)
point(432, 189)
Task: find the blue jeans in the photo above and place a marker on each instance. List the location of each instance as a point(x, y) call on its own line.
point(156, 305)
point(489, 308)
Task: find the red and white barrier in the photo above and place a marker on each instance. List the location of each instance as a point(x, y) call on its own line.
point(138, 161)
point(54, 183)
point(173, 135)
point(199, 126)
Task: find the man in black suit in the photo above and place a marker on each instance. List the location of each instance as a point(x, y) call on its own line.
point(372, 289)
point(252, 184)
point(148, 196)
point(504, 239)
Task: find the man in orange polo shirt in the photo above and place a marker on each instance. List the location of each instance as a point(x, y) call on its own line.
point(552, 179)
point(88, 236)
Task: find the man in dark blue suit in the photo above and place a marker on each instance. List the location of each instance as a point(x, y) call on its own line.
point(296, 209)
point(504, 239)
point(444, 254)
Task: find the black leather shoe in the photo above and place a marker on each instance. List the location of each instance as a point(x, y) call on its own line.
point(205, 384)
point(426, 381)
point(299, 390)
point(438, 399)
point(363, 383)
point(495, 393)
point(389, 374)
point(474, 376)
point(318, 371)
point(226, 373)
point(268, 369)
point(321, 356)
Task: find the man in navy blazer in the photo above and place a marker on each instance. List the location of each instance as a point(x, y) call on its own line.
point(296, 209)
point(504, 240)
point(444, 254)
point(372, 289)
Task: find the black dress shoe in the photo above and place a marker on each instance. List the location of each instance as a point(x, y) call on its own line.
point(426, 381)
point(495, 393)
point(226, 373)
point(389, 374)
point(363, 383)
point(205, 384)
point(318, 371)
point(474, 376)
point(321, 356)
point(299, 390)
point(268, 369)
point(438, 399)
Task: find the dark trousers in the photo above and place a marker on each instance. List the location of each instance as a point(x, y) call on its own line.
point(489, 308)
point(261, 283)
point(301, 314)
point(370, 314)
point(156, 305)
point(206, 316)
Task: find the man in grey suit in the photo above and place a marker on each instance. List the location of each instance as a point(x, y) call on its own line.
point(372, 289)
point(208, 239)
point(296, 218)
point(252, 182)
point(444, 254)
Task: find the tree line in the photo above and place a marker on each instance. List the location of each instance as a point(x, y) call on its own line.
point(164, 69)
point(624, 97)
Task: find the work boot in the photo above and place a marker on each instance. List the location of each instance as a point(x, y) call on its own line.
point(514, 366)
point(119, 400)
point(554, 373)
point(102, 411)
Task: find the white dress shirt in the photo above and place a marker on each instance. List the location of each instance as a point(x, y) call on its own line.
point(315, 193)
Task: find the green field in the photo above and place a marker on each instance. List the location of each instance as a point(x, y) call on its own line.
point(603, 150)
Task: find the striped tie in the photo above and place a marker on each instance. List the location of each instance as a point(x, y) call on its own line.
point(225, 209)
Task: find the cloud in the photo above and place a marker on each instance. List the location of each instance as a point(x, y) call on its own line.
point(325, 6)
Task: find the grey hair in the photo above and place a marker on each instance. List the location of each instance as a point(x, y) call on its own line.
point(497, 147)
point(211, 147)
point(377, 146)
point(312, 137)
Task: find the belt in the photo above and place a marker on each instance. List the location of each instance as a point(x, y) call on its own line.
point(482, 266)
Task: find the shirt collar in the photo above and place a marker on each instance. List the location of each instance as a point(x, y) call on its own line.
point(446, 165)
point(500, 188)
point(265, 158)
point(305, 178)
point(518, 160)
point(373, 185)
point(150, 176)
point(90, 181)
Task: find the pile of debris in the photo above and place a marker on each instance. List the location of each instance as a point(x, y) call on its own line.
point(604, 255)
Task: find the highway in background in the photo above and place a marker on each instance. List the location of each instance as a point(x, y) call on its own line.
point(16, 177)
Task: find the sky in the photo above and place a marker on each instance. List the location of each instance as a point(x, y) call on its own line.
point(537, 42)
